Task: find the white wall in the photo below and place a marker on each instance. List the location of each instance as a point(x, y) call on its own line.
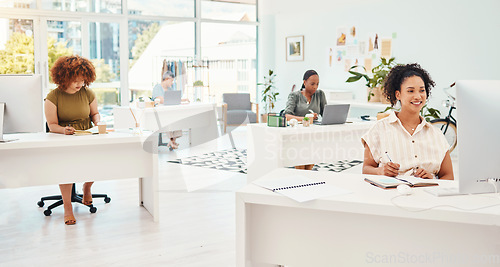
point(452, 39)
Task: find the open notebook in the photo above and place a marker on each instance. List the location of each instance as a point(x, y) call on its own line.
point(93, 130)
point(387, 182)
point(300, 188)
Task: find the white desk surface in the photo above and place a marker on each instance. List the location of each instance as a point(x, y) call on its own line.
point(299, 129)
point(40, 140)
point(368, 199)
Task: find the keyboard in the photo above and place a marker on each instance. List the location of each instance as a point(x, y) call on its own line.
point(439, 191)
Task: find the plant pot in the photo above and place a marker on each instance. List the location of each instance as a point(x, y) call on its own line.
point(377, 94)
point(263, 118)
point(306, 123)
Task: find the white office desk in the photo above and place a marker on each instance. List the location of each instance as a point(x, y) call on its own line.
point(49, 158)
point(199, 118)
point(270, 148)
point(363, 228)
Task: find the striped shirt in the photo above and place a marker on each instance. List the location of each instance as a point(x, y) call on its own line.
point(426, 148)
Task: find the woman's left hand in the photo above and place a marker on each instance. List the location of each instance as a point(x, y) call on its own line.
point(422, 173)
point(315, 116)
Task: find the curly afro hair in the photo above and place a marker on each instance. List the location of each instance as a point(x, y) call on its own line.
point(398, 74)
point(67, 68)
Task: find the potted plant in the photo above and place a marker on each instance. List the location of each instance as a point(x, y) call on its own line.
point(269, 94)
point(198, 90)
point(375, 82)
point(306, 122)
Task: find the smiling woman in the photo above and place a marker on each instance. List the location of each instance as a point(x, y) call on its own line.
point(414, 145)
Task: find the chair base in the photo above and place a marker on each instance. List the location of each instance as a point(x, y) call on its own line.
point(78, 198)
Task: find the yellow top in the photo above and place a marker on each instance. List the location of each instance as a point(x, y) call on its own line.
point(74, 108)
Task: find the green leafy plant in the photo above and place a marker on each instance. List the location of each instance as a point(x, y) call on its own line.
point(377, 76)
point(306, 119)
point(269, 94)
point(198, 83)
point(426, 112)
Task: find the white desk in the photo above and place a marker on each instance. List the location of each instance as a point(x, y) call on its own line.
point(363, 228)
point(199, 118)
point(270, 148)
point(48, 158)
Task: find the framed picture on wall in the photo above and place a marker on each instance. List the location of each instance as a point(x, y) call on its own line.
point(295, 48)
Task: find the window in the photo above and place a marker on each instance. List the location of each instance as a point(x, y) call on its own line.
point(170, 8)
point(18, 3)
point(233, 10)
point(17, 49)
point(231, 48)
point(104, 54)
point(102, 6)
point(154, 44)
point(159, 32)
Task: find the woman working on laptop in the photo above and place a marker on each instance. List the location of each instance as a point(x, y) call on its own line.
point(404, 143)
point(308, 100)
point(158, 95)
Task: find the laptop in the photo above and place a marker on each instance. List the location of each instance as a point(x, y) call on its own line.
point(334, 114)
point(172, 98)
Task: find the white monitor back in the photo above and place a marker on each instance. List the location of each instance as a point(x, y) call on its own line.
point(22, 95)
point(478, 126)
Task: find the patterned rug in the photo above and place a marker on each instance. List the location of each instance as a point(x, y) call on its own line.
point(235, 160)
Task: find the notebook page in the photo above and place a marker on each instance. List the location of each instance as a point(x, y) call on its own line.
point(300, 188)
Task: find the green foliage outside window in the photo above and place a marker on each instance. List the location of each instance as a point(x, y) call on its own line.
point(143, 40)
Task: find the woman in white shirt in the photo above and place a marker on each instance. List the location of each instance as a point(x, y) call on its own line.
point(404, 143)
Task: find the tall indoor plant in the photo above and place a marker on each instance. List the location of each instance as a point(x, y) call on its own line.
point(378, 74)
point(269, 94)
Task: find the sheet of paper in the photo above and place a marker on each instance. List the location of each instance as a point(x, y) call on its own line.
point(300, 188)
point(386, 48)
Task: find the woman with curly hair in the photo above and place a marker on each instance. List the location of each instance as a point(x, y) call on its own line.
point(404, 143)
point(72, 106)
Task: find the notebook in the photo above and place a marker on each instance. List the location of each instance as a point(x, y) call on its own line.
point(334, 114)
point(387, 182)
point(172, 97)
point(300, 188)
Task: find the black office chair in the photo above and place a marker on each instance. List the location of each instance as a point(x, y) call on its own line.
point(78, 198)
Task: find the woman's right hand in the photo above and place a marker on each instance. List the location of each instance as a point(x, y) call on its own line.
point(389, 169)
point(68, 130)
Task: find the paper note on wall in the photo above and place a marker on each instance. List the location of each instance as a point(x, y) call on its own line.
point(386, 48)
point(368, 65)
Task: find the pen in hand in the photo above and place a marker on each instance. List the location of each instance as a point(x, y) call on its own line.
point(387, 154)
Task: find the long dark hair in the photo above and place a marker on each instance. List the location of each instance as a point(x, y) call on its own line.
point(308, 74)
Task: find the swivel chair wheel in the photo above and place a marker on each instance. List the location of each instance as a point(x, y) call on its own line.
point(40, 203)
point(107, 199)
point(93, 209)
point(47, 212)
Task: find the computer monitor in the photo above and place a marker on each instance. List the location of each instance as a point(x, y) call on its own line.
point(22, 100)
point(478, 130)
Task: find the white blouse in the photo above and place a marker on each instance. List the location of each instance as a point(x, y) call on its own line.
point(426, 148)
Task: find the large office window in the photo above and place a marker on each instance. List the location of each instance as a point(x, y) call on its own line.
point(17, 46)
point(231, 52)
point(155, 35)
